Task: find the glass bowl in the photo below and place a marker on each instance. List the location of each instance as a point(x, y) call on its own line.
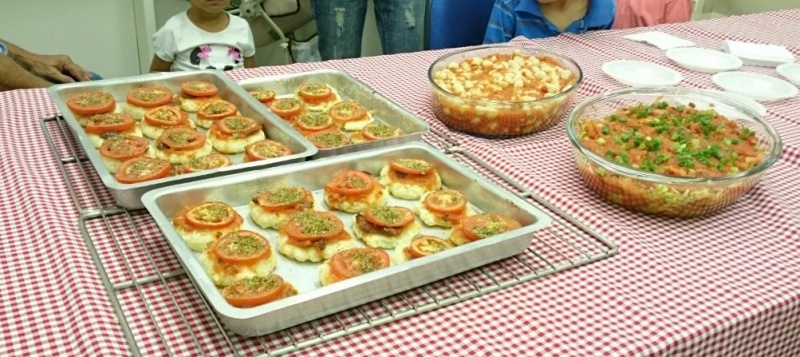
point(460, 103)
point(662, 194)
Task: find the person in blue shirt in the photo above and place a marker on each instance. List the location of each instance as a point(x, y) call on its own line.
point(546, 18)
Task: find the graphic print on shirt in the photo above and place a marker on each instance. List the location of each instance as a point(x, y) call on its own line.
point(216, 57)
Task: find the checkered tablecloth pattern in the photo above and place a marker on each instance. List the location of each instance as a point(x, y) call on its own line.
point(728, 284)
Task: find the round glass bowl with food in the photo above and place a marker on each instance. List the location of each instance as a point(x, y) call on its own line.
point(503, 90)
point(670, 151)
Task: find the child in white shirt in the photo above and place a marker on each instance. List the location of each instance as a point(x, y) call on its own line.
point(203, 37)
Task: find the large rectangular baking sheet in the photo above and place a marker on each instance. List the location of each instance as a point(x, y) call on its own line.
point(129, 195)
point(314, 301)
point(381, 108)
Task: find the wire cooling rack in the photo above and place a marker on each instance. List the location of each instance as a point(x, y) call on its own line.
point(161, 312)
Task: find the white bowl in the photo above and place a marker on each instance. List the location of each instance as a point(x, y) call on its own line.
point(756, 86)
point(704, 60)
point(790, 71)
point(640, 74)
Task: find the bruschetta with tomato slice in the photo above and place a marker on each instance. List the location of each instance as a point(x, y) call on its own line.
point(376, 131)
point(142, 169)
point(328, 139)
point(181, 145)
point(119, 149)
point(354, 192)
point(272, 208)
point(287, 109)
point(206, 222)
point(265, 96)
point(141, 99)
point(238, 255)
point(87, 104)
point(350, 116)
point(352, 263)
point(206, 162)
point(313, 236)
point(317, 96)
point(255, 291)
point(109, 125)
point(481, 226)
point(195, 93)
point(313, 122)
point(385, 227)
point(158, 119)
point(409, 179)
point(214, 110)
point(443, 208)
point(264, 150)
point(231, 135)
point(418, 247)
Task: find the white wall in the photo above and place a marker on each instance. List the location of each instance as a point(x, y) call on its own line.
point(98, 34)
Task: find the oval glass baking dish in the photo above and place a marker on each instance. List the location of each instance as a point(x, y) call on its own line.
point(649, 164)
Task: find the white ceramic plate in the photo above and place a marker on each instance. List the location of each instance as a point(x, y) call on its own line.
point(639, 74)
point(703, 59)
point(790, 71)
point(755, 86)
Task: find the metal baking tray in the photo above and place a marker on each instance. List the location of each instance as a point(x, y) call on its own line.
point(381, 108)
point(314, 301)
point(129, 195)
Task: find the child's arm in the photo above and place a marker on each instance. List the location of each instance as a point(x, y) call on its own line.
point(159, 65)
point(250, 62)
point(502, 24)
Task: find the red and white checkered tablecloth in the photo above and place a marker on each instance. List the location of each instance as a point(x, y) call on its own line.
point(728, 284)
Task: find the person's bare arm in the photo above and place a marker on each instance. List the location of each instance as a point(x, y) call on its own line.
point(14, 76)
point(250, 62)
point(159, 65)
point(54, 68)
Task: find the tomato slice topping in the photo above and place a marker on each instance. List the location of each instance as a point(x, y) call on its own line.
point(376, 131)
point(180, 139)
point(241, 248)
point(412, 166)
point(142, 169)
point(89, 103)
point(427, 245)
point(110, 123)
point(445, 201)
point(266, 149)
point(284, 198)
point(391, 217)
point(211, 215)
point(149, 97)
point(313, 121)
point(263, 95)
point(351, 183)
point(216, 109)
point(236, 126)
point(346, 111)
point(123, 147)
point(199, 89)
point(313, 225)
point(286, 108)
point(166, 117)
point(327, 139)
point(206, 162)
point(315, 92)
point(358, 261)
point(257, 290)
point(486, 225)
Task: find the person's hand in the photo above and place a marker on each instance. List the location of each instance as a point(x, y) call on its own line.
point(58, 69)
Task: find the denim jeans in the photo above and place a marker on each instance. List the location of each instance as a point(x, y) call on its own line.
point(340, 24)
